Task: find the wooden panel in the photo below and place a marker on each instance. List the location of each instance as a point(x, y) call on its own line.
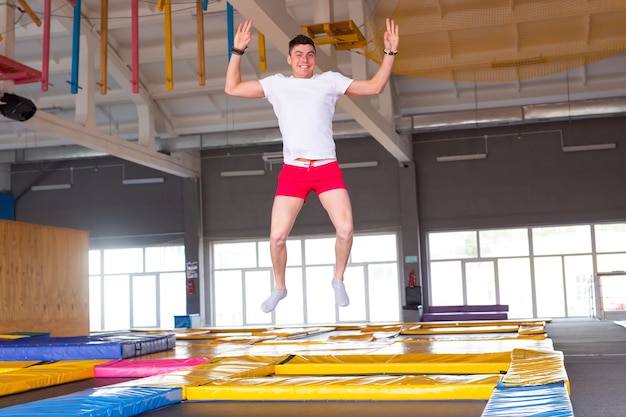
point(44, 279)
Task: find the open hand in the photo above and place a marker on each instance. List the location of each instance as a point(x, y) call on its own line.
point(391, 38)
point(243, 37)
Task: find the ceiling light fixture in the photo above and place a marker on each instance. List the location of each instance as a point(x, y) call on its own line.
point(138, 181)
point(49, 187)
point(463, 157)
point(585, 148)
point(243, 173)
point(365, 164)
point(273, 157)
point(593, 147)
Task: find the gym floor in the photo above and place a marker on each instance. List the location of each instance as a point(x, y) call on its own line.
point(595, 361)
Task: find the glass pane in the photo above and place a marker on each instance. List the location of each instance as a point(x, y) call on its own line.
point(452, 245)
point(320, 297)
point(258, 285)
point(319, 251)
point(95, 303)
point(384, 292)
point(94, 262)
point(116, 302)
point(374, 248)
point(480, 283)
point(549, 287)
point(612, 263)
point(561, 240)
point(579, 286)
point(354, 280)
point(234, 255)
point(165, 258)
point(505, 242)
point(610, 237)
point(172, 298)
point(515, 287)
point(446, 286)
point(228, 298)
point(294, 253)
point(117, 261)
point(613, 291)
point(290, 310)
point(144, 301)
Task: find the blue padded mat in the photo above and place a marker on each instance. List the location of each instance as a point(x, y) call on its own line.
point(550, 400)
point(105, 402)
point(114, 346)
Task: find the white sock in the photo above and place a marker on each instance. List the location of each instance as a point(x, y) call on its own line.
point(270, 304)
point(341, 296)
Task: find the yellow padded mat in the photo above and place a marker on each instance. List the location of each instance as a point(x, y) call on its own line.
point(488, 363)
point(8, 366)
point(530, 367)
point(46, 375)
point(365, 388)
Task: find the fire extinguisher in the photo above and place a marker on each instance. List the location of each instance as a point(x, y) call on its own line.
point(412, 278)
point(191, 286)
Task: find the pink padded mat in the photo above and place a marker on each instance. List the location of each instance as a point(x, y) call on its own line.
point(143, 367)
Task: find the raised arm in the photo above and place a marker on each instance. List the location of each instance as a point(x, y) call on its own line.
point(234, 86)
point(377, 83)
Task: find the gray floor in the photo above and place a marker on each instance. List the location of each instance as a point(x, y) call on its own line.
point(595, 360)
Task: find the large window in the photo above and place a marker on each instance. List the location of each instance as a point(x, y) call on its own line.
point(136, 287)
point(243, 279)
point(538, 272)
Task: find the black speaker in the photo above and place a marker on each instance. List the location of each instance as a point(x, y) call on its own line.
point(16, 107)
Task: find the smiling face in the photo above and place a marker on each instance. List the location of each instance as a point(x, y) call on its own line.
point(302, 60)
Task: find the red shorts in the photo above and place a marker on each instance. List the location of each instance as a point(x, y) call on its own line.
point(294, 181)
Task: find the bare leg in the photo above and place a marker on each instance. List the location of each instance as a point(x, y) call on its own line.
point(284, 213)
point(337, 204)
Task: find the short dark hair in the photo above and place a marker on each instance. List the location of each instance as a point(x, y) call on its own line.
point(301, 40)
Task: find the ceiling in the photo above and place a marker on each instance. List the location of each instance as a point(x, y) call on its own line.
point(178, 106)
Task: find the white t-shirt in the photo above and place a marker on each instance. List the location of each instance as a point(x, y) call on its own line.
point(305, 108)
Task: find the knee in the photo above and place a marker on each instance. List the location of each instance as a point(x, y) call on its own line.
point(278, 239)
point(345, 231)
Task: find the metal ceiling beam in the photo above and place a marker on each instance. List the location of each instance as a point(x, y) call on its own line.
point(272, 19)
point(185, 165)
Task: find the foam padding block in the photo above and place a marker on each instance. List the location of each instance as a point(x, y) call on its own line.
point(370, 364)
point(137, 344)
point(109, 402)
point(45, 375)
point(139, 368)
point(348, 388)
point(530, 367)
point(549, 400)
point(218, 369)
point(117, 346)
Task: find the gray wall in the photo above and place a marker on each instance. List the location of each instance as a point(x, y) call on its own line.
point(526, 179)
point(115, 215)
